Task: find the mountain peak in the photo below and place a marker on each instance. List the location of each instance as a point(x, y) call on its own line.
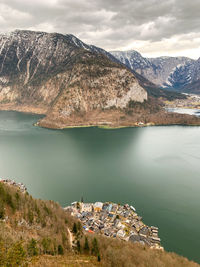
point(63, 75)
point(157, 70)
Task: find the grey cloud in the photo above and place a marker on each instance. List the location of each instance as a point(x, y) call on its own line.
point(106, 23)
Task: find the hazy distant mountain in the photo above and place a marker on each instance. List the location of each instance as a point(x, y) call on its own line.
point(185, 77)
point(73, 83)
point(156, 70)
point(164, 66)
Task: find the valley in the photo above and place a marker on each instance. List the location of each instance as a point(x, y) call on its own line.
point(74, 84)
point(190, 102)
point(99, 133)
point(179, 74)
point(151, 168)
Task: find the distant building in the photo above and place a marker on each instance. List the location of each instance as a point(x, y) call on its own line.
point(114, 208)
point(134, 238)
point(98, 206)
point(121, 233)
point(109, 208)
point(86, 207)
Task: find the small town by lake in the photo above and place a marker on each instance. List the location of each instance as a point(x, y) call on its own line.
point(154, 169)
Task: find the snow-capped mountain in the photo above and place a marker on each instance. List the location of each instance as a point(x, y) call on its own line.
point(62, 77)
point(185, 77)
point(92, 48)
point(133, 60)
point(160, 71)
point(164, 66)
point(156, 70)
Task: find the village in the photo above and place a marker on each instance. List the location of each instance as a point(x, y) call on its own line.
point(20, 186)
point(110, 219)
point(115, 220)
point(191, 101)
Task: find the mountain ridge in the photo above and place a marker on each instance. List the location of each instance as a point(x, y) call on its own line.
point(74, 84)
point(156, 70)
point(38, 68)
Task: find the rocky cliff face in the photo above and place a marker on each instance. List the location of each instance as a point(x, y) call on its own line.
point(164, 66)
point(156, 70)
point(185, 77)
point(91, 88)
point(62, 76)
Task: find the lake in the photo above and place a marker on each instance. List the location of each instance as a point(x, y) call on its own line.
point(155, 169)
point(189, 111)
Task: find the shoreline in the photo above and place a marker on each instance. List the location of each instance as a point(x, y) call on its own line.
point(115, 221)
point(24, 109)
point(107, 126)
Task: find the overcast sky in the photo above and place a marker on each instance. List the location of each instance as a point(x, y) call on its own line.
point(152, 27)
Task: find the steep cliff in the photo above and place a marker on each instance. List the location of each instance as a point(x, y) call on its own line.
point(60, 76)
point(185, 77)
point(157, 70)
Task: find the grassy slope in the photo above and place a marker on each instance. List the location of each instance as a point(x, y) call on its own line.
point(24, 219)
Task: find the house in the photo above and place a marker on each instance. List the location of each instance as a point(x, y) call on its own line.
point(144, 231)
point(105, 206)
point(101, 226)
point(98, 206)
point(114, 208)
point(134, 238)
point(109, 208)
point(121, 233)
point(87, 207)
point(155, 239)
point(106, 232)
point(146, 240)
point(126, 214)
point(119, 225)
point(154, 228)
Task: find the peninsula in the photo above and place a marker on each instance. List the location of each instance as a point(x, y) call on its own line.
point(75, 84)
point(115, 220)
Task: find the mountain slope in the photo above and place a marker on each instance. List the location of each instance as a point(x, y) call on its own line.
point(34, 232)
point(60, 74)
point(74, 84)
point(152, 89)
point(185, 77)
point(156, 70)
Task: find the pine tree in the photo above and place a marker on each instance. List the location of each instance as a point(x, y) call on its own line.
point(78, 205)
point(32, 248)
point(79, 229)
point(86, 245)
point(2, 254)
point(16, 255)
point(60, 250)
point(98, 257)
point(95, 248)
point(2, 210)
point(74, 230)
point(78, 246)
